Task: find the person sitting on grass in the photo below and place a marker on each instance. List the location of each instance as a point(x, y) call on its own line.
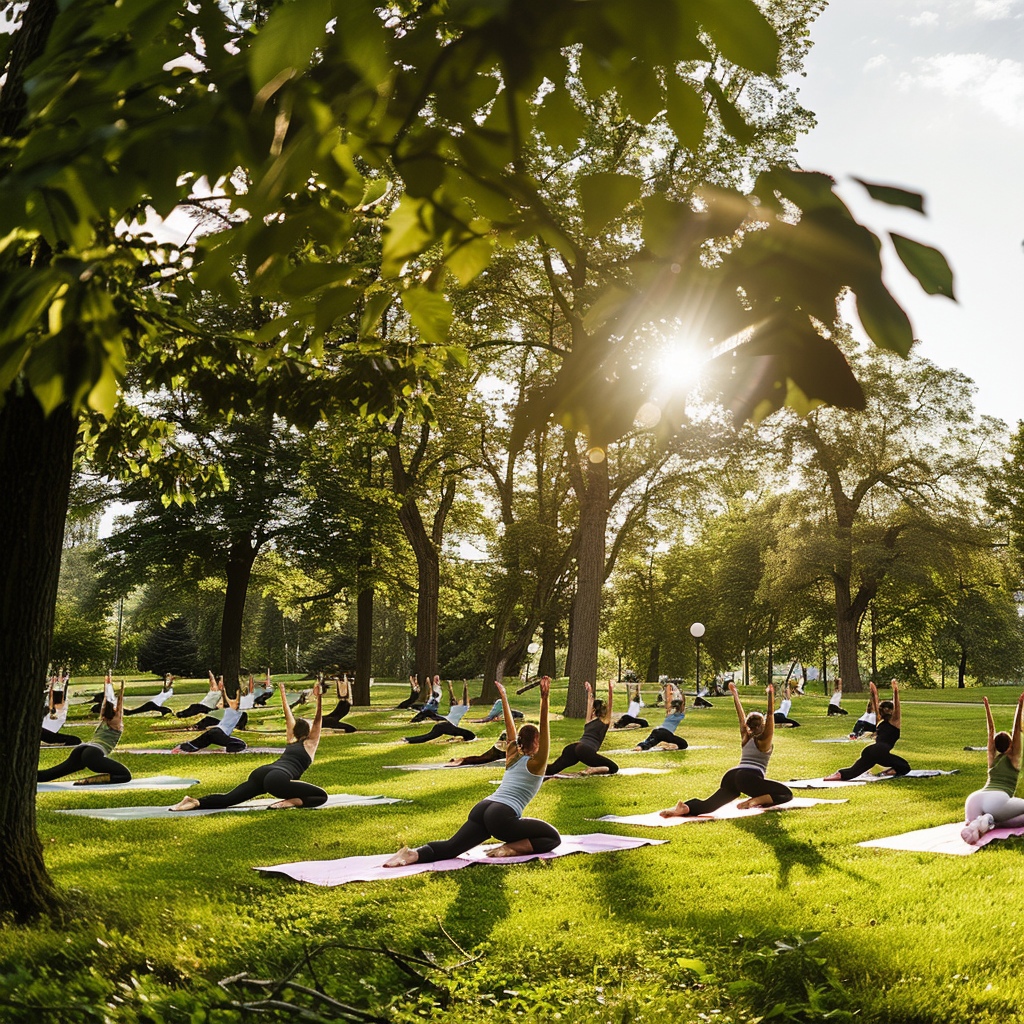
point(428, 711)
point(158, 702)
point(94, 754)
point(866, 723)
point(56, 716)
point(782, 715)
point(280, 778)
point(996, 804)
point(449, 726)
point(835, 704)
point(500, 815)
point(886, 735)
point(757, 734)
point(343, 688)
point(666, 732)
point(220, 734)
point(585, 750)
point(495, 713)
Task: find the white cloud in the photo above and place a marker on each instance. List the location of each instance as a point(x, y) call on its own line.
point(925, 18)
point(996, 85)
point(873, 63)
point(994, 10)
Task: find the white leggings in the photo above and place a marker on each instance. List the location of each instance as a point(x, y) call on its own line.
point(1006, 810)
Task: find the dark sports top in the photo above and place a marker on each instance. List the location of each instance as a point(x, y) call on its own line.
point(886, 734)
point(294, 759)
point(594, 733)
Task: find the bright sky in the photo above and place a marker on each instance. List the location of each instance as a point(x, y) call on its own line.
point(930, 94)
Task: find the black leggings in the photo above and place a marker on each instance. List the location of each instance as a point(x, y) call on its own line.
point(625, 720)
point(409, 701)
point(494, 754)
point(492, 818)
point(86, 756)
point(268, 778)
point(63, 739)
point(700, 702)
point(579, 753)
point(215, 736)
point(872, 754)
point(860, 727)
point(334, 719)
point(835, 709)
point(428, 715)
point(662, 735)
point(194, 709)
point(442, 729)
point(737, 782)
point(148, 706)
point(781, 719)
point(212, 723)
point(262, 698)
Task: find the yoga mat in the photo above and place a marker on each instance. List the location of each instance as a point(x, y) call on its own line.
point(371, 868)
point(845, 739)
point(434, 767)
point(917, 773)
point(660, 750)
point(205, 750)
point(148, 782)
point(606, 775)
point(135, 813)
point(655, 820)
point(941, 839)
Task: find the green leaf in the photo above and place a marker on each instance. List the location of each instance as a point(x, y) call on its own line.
point(732, 120)
point(310, 277)
point(605, 196)
point(883, 317)
point(685, 114)
point(375, 307)
point(928, 265)
point(559, 120)
point(742, 34)
point(405, 235)
point(284, 46)
point(430, 312)
point(334, 304)
point(893, 196)
point(469, 259)
point(640, 91)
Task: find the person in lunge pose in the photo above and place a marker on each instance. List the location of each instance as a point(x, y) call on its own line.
point(666, 732)
point(500, 815)
point(280, 779)
point(157, 702)
point(266, 691)
point(208, 703)
point(496, 753)
point(757, 733)
point(344, 690)
point(585, 749)
point(886, 735)
point(220, 734)
point(449, 726)
point(782, 715)
point(94, 754)
point(495, 713)
point(632, 715)
point(57, 715)
point(866, 723)
point(996, 804)
point(835, 704)
point(429, 710)
point(105, 696)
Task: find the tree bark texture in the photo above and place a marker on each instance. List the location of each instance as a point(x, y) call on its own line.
point(364, 647)
point(241, 556)
point(548, 664)
point(586, 613)
point(35, 465)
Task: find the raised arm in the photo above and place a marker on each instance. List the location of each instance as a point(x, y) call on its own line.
point(767, 738)
point(465, 693)
point(312, 741)
point(510, 723)
point(873, 701)
point(607, 716)
point(991, 726)
point(896, 719)
point(117, 722)
point(1015, 737)
point(667, 696)
point(451, 694)
point(289, 718)
point(744, 731)
point(539, 761)
point(590, 699)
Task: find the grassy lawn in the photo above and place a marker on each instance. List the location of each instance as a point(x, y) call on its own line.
point(777, 917)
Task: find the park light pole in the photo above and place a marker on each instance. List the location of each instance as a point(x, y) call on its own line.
point(697, 631)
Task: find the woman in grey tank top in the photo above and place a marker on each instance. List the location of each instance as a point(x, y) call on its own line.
point(501, 814)
point(757, 733)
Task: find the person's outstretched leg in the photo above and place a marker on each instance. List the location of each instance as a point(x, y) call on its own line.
point(728, 790)
point(432, 735)
point(74, 762)
point(566, 758)
point(519, 836)
point(292, 792)
point(471, 834)
point(867, 760)
point(598, 763)
point(893, 763)
point(762, 792)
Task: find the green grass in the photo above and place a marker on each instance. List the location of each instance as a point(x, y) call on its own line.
point(777, 917)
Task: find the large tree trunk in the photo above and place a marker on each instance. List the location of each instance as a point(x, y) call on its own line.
point(548, 664)
point(846, 641)
point(241, 556)
point(654, 664)
point(586, 613)
point(364, 647)
point(962, 670)
point(35, 466)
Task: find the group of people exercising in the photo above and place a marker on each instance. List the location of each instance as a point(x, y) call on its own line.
point(525, 749)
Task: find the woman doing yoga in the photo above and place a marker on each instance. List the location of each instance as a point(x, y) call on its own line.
point(886, 735)
point(782, 715)
point(496, 753)
point(56, 716)
point(757, 733)
point(632, 715)
point(835, 704)
point(500, 815)
point(666, 732)
point(94, 753)
point(157, 702)
point(449, 726)
point(209, 702)
point(585, 750)
point(344, 691)
point(996, 804)
point(280, 779)
point(220, 733)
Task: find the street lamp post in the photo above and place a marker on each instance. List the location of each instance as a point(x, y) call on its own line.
point(697, 631)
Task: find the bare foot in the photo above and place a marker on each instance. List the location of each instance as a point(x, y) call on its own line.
point(456, 761)
point(888, 771)
point(93, 780)
point(679, 811)
point(635, 749)
point(594, 771)
point(188, 803)
point(834, 777)
point(285, 805)
point(520, 848)
point(755, 801)
point(402, 858)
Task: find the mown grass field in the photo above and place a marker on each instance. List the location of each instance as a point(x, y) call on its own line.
point(776, 917)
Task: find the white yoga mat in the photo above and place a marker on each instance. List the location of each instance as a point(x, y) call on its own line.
point(941, 839)
point(205, 750)
point(135, 813)
point(660, 750)
point(655, 820)
point(917, 773)
point(435, 767)
point(371, 868)
point(846, 739)
point(607, 775)
point(147, 782)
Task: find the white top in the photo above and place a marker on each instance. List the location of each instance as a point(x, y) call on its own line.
point(229, 720)
point(246, 701)
point(160, 699)
point(869, 717)
point(634, 708)
point(784, 707)
point(837, 698)
point(212, 699)
point(455, 715)
point(55, 724)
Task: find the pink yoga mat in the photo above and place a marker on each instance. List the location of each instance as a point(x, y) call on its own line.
point(655, 820)
point(941, 839)
point(371, 868)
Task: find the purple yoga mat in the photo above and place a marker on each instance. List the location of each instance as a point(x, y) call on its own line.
point(371, 868)
point(941, 839)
